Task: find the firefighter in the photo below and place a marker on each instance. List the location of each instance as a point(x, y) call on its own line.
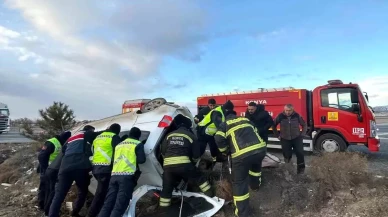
point(238, 137)
point(204, 111)
point(180, 151)
point(49, 152)
point(208, 127)
point(128, 154)
point(75, 166)
point(103, 147)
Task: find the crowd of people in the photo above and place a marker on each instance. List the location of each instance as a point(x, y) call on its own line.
point(65, 158)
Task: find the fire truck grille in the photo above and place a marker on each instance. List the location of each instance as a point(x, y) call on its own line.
point(3, 123)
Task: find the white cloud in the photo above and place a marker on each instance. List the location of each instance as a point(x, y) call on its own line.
point(377, 89)
point(93, 55)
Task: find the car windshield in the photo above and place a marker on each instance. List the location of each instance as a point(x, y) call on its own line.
point(4, 112)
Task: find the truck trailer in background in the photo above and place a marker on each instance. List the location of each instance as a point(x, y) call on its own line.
point(4, 118)
point(337, 114)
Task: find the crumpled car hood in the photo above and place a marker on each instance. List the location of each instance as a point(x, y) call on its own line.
point(141, 191)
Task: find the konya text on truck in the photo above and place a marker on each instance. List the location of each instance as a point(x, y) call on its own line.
point(4, 118)
point(337, 114)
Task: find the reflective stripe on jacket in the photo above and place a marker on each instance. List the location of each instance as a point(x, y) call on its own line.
point(102, 149)
point(125, 157)
point(179, 148)
point(211, 128)
point(238, 136)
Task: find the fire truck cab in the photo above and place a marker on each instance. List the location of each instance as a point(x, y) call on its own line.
point(337, 115)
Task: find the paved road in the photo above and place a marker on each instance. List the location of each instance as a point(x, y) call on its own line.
point(13, 137)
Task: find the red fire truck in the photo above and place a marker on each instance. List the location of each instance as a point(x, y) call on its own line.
point(337, 114)
point(133, 105)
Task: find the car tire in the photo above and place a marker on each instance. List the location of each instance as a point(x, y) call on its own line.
point(330, 142)
point(153, 104)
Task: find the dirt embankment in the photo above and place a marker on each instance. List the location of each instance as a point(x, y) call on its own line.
point(334, 185)
point(20, 181)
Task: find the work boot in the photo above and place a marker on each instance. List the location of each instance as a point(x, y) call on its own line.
point(300, 170)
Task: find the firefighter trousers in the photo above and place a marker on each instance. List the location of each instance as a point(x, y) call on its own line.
point(51, 180)
point(245, 172)
point(65, 180)
point(294, 144)
point(174, 174)
point(99, 196)
point(119, 195)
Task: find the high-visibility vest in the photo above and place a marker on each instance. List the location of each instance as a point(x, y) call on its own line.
point(102, 149)
point(211, 128)
point(125, 157)
point(57, 149)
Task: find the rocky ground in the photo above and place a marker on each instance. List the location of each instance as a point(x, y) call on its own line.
point(334, 185)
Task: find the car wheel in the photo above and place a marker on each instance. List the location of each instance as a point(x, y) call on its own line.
point(329, 143)
point(153, 104)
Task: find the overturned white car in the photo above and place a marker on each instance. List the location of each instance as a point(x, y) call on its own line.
point(154, 120)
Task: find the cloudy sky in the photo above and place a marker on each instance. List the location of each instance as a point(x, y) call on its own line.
point(93, 55)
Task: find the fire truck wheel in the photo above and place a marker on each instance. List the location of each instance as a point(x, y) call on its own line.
point(330, 142)
point(153, 104)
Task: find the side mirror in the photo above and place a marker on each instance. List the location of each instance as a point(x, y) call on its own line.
point(356, 108)
point(354, 96)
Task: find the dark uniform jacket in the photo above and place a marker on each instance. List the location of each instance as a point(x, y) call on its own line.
point(77, 151)
point(289, 126)
point(180, 143)
point(262, 120)
point(238, 132)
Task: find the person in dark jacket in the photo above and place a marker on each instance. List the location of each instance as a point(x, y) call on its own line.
point(181, 151)
point(208, 127)
point(128, 154)
point(50, 150)
point(51, 178)
point(291, 138)
point(75, 166)
point(238, 138)
point(103, 146)
point(203, 112)
point(260, 118)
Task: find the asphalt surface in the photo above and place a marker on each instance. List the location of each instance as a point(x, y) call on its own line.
point(14, 136)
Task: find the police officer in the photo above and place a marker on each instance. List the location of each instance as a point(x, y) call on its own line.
point(103, 147)
point(128, 154)
point(181, 151)
point(204, 111)
point(208, 127)
point(75, 166)
point(238, 137)
point(51, 175)
point(49, 152)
